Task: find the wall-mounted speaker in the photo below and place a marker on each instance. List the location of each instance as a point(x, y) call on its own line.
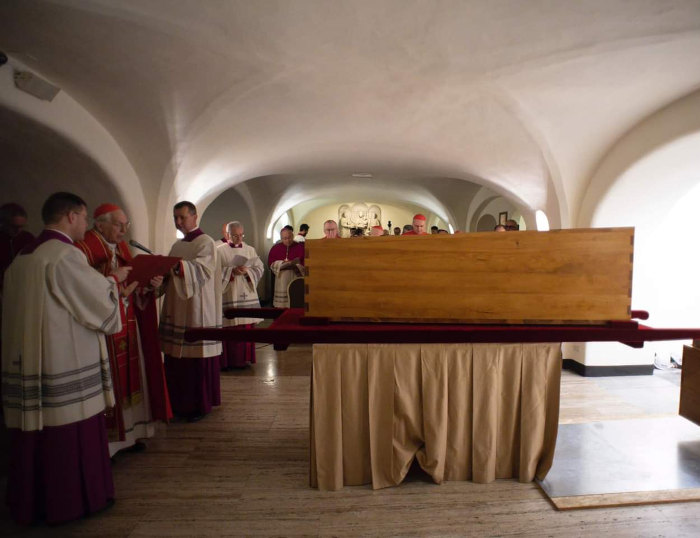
point(36, 86)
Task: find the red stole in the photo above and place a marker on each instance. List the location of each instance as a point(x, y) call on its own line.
point(123, 346)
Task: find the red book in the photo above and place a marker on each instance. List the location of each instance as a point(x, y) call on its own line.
point(146, 266)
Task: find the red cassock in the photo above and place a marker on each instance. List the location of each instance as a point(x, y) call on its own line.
point(123, 346)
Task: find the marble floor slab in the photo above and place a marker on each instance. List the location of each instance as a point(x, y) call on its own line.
point(625, 456)
point(621, 442)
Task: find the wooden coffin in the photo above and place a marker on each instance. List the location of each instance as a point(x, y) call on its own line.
point(581, 276)
point(690, 384)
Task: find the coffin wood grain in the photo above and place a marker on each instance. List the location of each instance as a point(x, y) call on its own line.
point(572, 276)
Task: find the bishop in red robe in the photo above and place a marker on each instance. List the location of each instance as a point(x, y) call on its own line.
point(135, 356)
point(418, 226)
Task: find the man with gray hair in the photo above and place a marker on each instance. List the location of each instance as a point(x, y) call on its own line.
point(241, 271)
point(134, 352)
point(330, 230)
point(286, 261)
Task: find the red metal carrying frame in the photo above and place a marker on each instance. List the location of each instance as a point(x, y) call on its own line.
point(290, 326)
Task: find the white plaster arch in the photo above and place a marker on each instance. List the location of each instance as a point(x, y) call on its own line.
point(294, 195)
point(486, 223)
point(486, 197)
point(70, 120)
point(672, 122)
point(650, 180)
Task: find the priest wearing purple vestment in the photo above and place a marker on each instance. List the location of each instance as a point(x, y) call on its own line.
point(286, 261)
point(192, 299)
point(55, 371)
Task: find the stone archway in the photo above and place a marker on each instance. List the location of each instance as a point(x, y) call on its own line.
point(486, 223)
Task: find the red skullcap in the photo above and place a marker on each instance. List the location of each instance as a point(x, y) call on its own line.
point(103, 209)
point(419, 217)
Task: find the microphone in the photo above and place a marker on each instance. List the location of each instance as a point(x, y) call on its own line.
point(138, 245)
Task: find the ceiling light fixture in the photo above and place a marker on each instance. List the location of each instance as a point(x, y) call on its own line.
point(363, 175)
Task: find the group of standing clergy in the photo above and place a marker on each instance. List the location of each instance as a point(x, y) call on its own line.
point(286, 258)
point(86, 367)
point(82, 369)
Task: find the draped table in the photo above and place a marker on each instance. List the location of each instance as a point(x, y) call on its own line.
point(464, 411)
point(478, 402)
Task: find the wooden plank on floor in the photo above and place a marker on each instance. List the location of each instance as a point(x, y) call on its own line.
point(690, 385)
point(633, 498)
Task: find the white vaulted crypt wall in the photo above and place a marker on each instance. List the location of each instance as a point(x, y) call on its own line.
point(398, 215)
point(659, 195)
point(229, 206)
point(55, 145)
point(494, 208)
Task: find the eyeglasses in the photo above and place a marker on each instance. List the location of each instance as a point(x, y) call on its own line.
point(238, 235)
point(122, 225)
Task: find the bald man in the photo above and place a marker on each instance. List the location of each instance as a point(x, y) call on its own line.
point(241, 270)
point(286, 261)
point(134, 354)
point(330, 230)
point(418, 226)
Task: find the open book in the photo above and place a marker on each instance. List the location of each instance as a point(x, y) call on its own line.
point(146, 266)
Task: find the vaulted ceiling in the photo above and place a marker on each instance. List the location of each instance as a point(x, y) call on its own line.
point(523, 97)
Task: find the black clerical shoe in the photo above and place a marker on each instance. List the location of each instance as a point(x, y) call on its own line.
point(109, 504)
point(196, 417)
point(138, 446)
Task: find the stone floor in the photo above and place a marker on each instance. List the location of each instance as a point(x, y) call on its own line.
point(243, 471)
point(637, 450)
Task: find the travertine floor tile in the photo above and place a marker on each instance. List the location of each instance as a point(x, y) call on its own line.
point(243, 471)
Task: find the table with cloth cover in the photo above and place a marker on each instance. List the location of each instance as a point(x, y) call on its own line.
point(468, 401)
point(464, 411)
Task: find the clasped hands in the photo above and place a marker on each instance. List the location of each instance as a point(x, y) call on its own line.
point(240, 270)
